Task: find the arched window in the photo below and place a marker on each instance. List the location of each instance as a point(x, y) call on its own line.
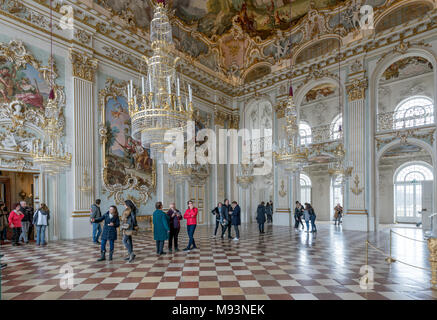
point(337, 127)
point(304, 133)
point(408, 186)
point(336, 193)
point(413, 112)
point(305, 188)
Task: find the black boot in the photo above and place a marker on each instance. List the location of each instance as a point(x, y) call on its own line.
point(102, 256)
point(110, 255)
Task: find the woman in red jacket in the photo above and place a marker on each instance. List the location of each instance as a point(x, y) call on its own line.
point(15, 218)
point(191, 217)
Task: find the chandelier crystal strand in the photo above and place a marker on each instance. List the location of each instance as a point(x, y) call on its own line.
point(160, 106)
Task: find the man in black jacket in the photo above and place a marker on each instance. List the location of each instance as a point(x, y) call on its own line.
point(25, 223)
point(97, 228)
point(229, 213)
point(236, 219)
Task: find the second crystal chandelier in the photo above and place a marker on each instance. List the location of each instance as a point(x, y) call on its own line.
point(160, 106)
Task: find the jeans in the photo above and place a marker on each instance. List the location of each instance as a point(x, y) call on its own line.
point(237, 231)
point(190, 229)
point(338, 219)
point(97, 231)
point(173, 238)
point(41, 234)
point(3, 234)
point(307, 222)
point(313, 224)
point(16, 234)
point(103, 245)
point(297, 221)
point(24, 230)
point(269, 218)
point(127, 241)
point(224, 228)
point(217, 223)
point(261, 227)
point(159, 246)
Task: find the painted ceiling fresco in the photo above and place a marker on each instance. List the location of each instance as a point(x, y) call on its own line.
point(405, 68)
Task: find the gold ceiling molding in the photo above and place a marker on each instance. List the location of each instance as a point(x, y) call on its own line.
point(220, 118)
point(402, 47)
point(356, 89)
point(83, 66)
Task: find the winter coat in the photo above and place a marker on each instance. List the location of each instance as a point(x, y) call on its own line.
point(174, 221)
point(27, 214)
point(215, 212)
point(269, 210)
point(15, 219)
point(127, 220)
point(236, 216)
point(109, 232)
point(37, 213)
point(95, 212)
point(261, 214)
point(3, 220)
point(191, 216)
point(298, 212)
point(160, 225)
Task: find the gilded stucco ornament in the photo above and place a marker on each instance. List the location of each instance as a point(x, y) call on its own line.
point(83, 66)
point(356, 89)
point(25, 110)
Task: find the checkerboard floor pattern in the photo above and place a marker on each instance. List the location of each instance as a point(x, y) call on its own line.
point(281, 264)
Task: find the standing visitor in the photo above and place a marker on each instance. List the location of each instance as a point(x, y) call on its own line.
point(41, 221)
point(96, 214)
point(306, 216)
point(216, 212)
point(236, 219)
point(15, 218)
point(312, 218)
point(269, 212)
point(112, 222)
point(25, 222)
point(127, 228)
point(175, 217)
point(225, 219)
point(298, 213)
point(160, 228)
point(338, 213)
point(3, 223)
point(191, 217)
point(261, 216)
point(229, 214)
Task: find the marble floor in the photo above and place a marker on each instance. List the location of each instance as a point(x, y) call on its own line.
point(280, 264)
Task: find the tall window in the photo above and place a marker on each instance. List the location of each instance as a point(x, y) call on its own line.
point(305, 188)
point(408, 190)
point(413, 112)
point(337, 127)
point(304, 133)
point(336, 193)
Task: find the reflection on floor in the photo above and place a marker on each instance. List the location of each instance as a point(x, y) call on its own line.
point(281, 264)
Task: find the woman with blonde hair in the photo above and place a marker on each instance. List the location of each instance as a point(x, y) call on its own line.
point(41, 221)
point(128, 227)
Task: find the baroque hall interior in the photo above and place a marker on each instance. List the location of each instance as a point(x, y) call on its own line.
point(326, 102)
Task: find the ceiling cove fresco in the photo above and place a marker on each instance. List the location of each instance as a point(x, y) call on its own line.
point(246, 39)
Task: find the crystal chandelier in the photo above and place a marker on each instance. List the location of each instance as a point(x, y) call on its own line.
point(340, 167)
point(160, 107)
point(51, 154)
point(291, 156)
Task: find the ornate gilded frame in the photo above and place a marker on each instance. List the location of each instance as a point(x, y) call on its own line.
point(113, 90)
point(16, 116)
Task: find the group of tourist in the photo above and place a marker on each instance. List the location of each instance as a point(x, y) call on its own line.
point(226, 216)
point(22, 220)
point(308, 214)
